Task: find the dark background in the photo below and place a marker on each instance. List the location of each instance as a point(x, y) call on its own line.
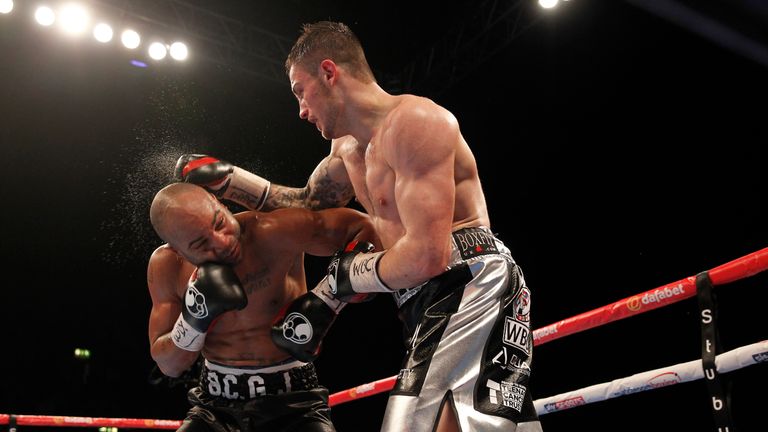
point(619, 152)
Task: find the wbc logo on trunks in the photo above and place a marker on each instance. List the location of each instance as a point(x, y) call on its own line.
point(297, 328)
point(195, 302)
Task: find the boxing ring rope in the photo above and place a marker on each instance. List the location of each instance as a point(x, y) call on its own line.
point(664, 295)
point(653, 379)
point(43, 420)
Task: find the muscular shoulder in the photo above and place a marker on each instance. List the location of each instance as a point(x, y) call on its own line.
point(343, 144)
point(419, 130)
point(165, 255)
point(166, 271)
point(420, 111)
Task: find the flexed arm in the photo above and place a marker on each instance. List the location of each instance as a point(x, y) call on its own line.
point(166, 271)
point(212, 289)
point(328, 186)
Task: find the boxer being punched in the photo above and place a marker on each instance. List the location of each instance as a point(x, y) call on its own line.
point(461, 296)
point(222, 287)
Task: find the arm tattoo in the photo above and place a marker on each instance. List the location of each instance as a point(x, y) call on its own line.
point(283, 197)
point(328, 193)
point(320, 193)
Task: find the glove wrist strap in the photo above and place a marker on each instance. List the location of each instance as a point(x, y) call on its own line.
point(364, 273)
point(247, 189)
point(323, 290)
point(186, 337)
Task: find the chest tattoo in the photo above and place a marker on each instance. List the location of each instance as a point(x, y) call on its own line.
point(255, 281)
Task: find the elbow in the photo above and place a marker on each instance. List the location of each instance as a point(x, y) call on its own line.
point(169, 370)
point(170, 364)
point(432, 263)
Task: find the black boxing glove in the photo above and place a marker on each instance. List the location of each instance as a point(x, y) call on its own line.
point(223, 179)
point(353, 275)
point(212, 290)
point(206, 171)
point(301, 326)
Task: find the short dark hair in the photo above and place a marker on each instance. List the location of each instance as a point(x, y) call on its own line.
point(329, 40)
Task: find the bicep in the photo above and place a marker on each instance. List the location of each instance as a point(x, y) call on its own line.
point(329, 185)
point(319, 233)
point(424, 180)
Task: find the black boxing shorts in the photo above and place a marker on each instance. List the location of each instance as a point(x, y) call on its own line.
point(280, 398)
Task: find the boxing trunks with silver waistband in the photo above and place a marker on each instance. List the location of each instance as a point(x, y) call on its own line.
point(469, 343)
point(284, 397)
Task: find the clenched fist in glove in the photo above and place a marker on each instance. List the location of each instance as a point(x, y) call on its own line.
point(206, 171)
point(353, 274)
point(212, 290)
point(223, 179)
point(301, 326)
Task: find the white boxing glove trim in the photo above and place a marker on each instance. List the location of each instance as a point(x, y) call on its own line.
point(186, 337)
point(364, 273)
point(247, 189)
point(323, 290)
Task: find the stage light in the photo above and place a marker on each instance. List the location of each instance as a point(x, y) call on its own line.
point(73, 19)
point(179, 51)
point(157, 50)
point(6, 6)
point(45, 16)
point(102, 33)
point(548, 4)
point(130, 39)
point(82, 353)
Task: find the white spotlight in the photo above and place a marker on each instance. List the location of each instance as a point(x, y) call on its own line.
point(45, 16)
point(179, 51)
point(130, 39)
point(74, 19)
point(6, 6)
point(102, 33)
point(157, 50)
point(548, 4)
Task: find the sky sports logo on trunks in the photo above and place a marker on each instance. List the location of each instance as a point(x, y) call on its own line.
point(516, 334)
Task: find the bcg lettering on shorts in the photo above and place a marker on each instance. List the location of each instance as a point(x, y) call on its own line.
point(242, 387)
point(248, 386)
point(473, 242)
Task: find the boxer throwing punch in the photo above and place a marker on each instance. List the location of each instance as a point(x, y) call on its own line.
point(227, 287)
point(462, 298)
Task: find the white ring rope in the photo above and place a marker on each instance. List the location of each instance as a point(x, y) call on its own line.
point(683, 372)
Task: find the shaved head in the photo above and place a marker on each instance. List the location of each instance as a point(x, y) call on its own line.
point(192, 221)
point(172, 201)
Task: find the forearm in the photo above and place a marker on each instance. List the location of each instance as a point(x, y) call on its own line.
point(328, 185)
point(322, 190)
point(409, 263)
point(359, 270)
point(318, 194)
point(172, 360)
point(284, 197)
